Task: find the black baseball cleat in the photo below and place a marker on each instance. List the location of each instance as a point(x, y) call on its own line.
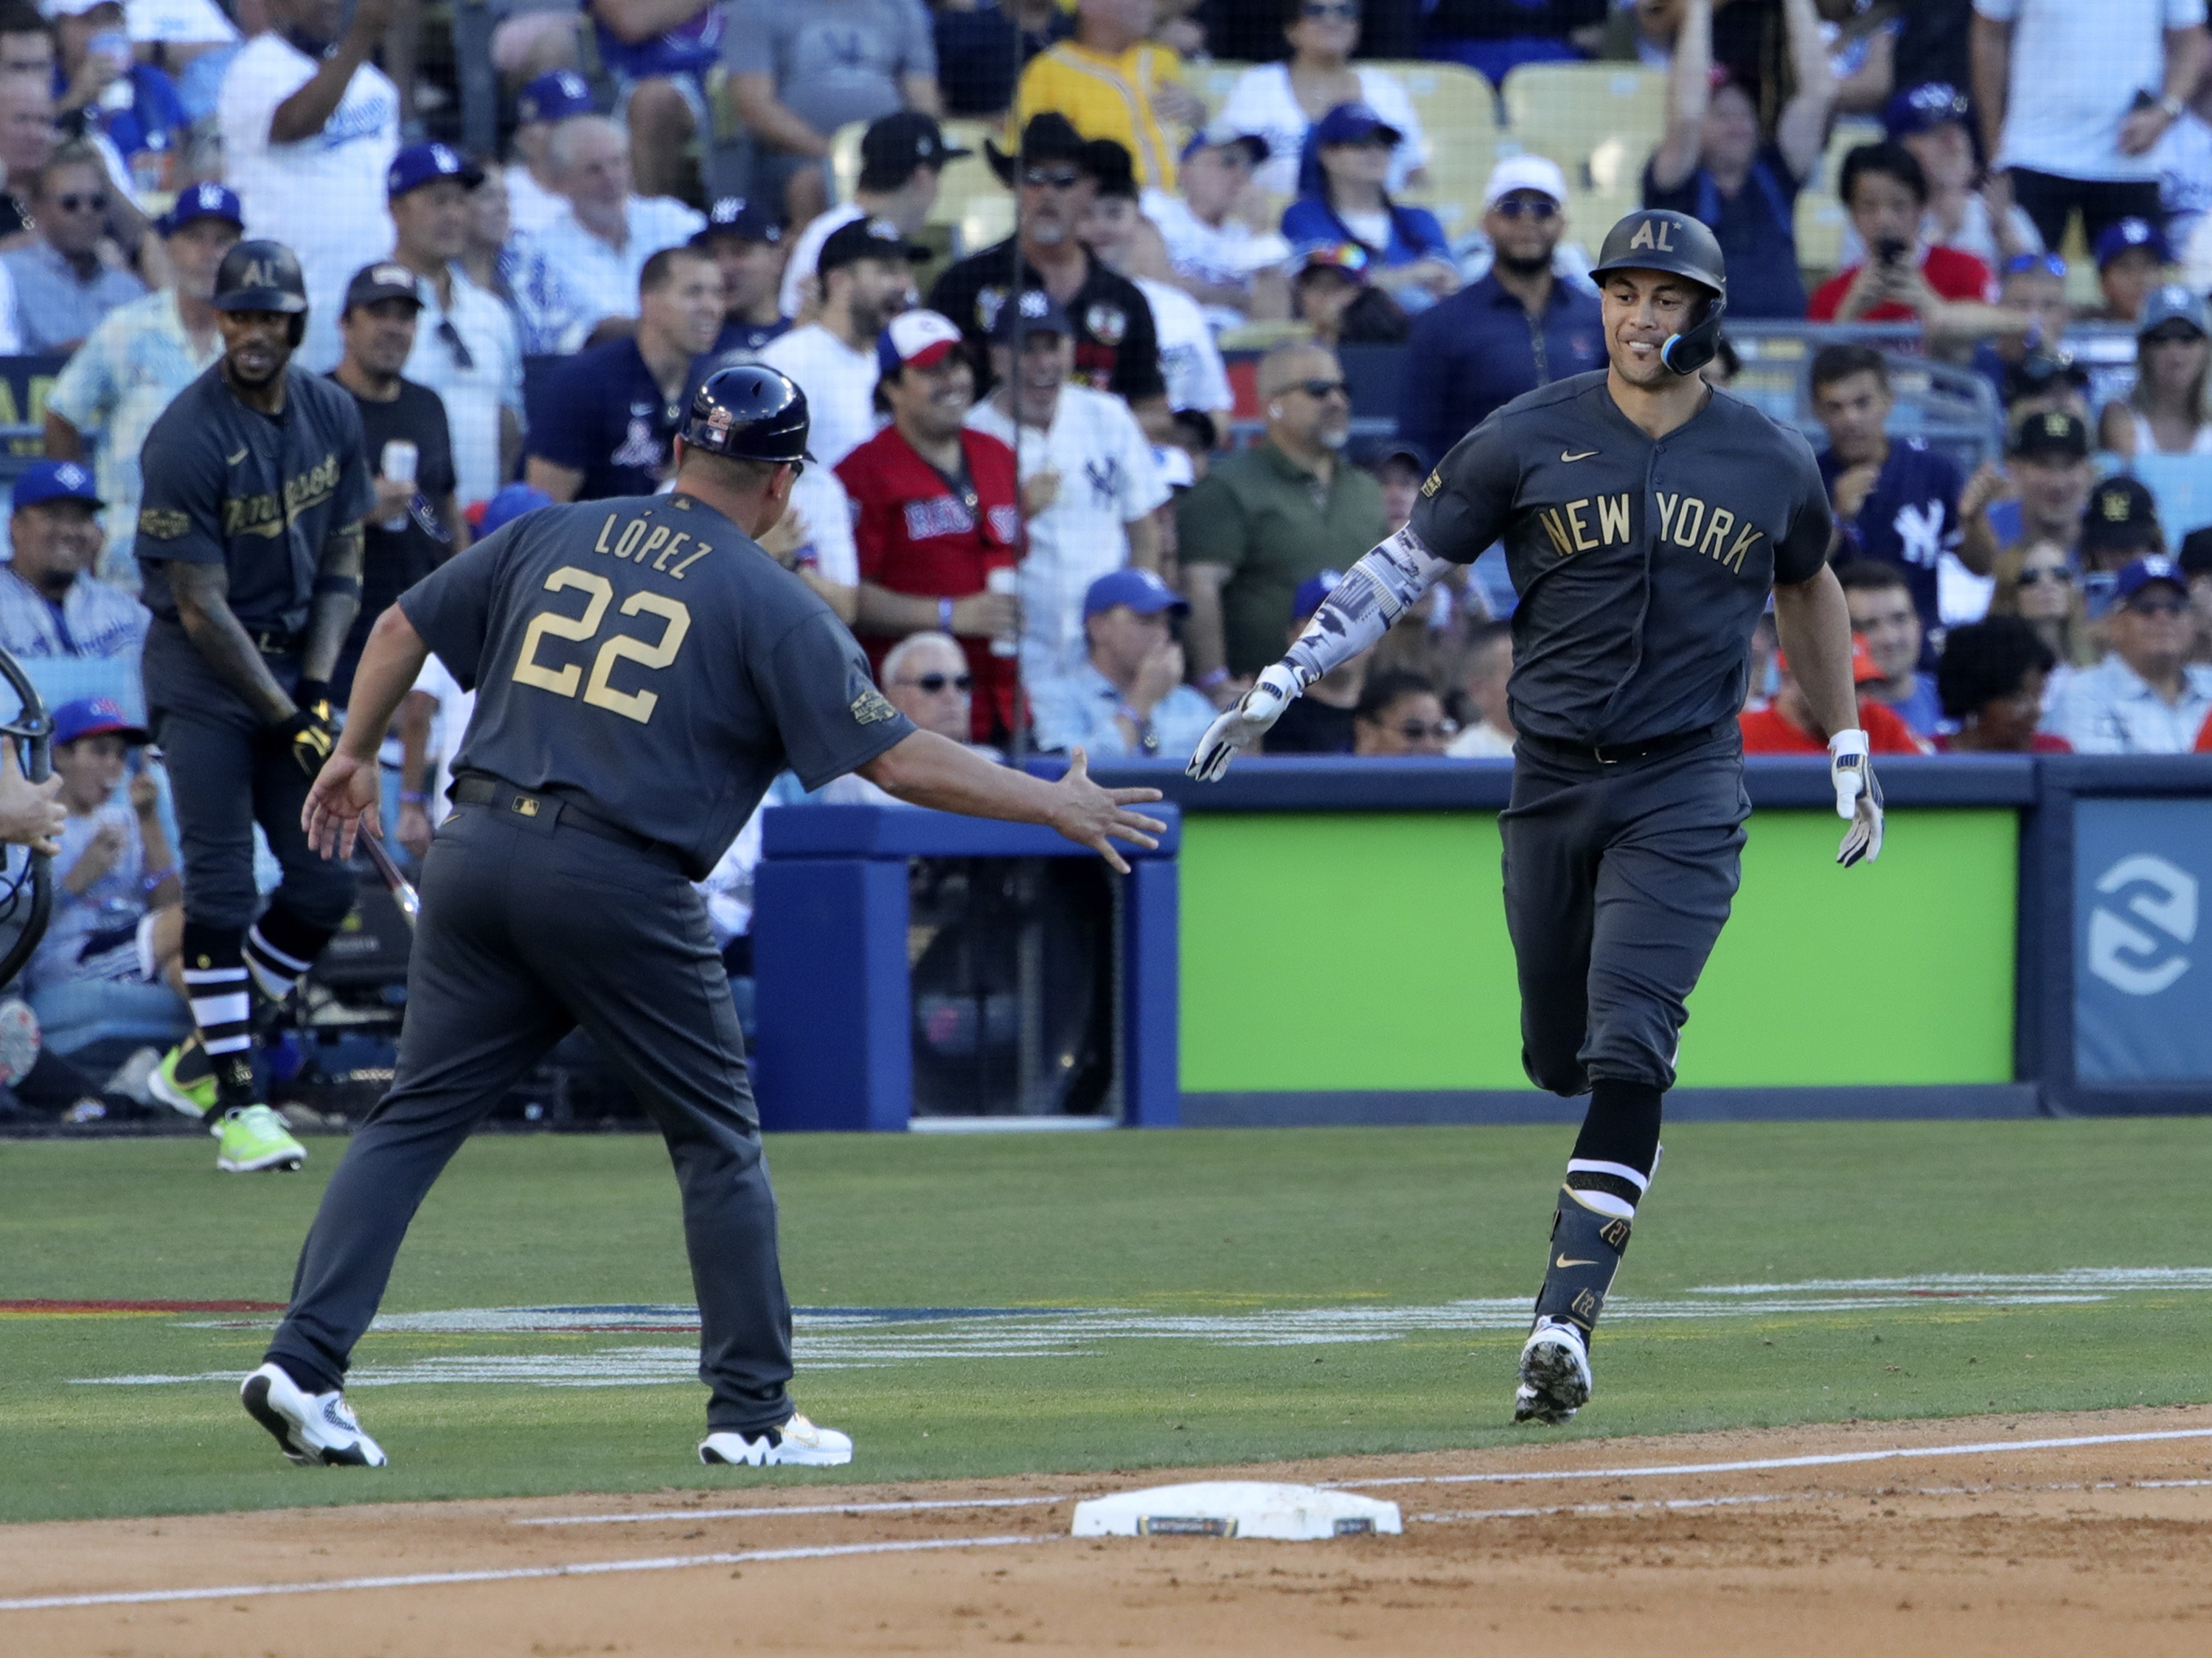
point(314, 1429)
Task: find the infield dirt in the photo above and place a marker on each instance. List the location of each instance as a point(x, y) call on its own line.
point(2014, 1549)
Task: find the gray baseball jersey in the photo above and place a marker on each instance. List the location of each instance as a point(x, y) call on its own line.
point(1642, 566)
point(645, 658)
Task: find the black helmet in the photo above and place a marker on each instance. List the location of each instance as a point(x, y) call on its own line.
point(750, 412)
point(263, 276)
point(1653, 239)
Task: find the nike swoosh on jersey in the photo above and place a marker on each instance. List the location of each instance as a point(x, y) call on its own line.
point(1584, 455)
point(1563, 1261)
point(233, 459)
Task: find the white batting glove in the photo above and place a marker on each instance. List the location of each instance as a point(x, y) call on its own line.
point(1858, 797)
point(1243, 723)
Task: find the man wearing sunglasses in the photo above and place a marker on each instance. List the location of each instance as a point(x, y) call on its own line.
point(1518, 328)
point(1117, 348)
point(1647, 518)
point(467, 348)
point(63, 286)
point(2145, 696)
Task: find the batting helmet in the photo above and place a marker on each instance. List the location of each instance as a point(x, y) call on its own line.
point(263, 276)
point(1653, 239)
point(749, 413)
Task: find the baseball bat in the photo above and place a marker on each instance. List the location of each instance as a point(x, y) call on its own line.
point(403, 890)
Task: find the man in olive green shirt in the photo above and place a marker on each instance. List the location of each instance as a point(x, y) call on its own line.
point(1264, 521)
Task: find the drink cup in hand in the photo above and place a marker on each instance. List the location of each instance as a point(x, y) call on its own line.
point(398, 465)
point(1003, 580)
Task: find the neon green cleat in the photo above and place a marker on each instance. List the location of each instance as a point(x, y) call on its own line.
point(185, 1080)
point(253, 1138)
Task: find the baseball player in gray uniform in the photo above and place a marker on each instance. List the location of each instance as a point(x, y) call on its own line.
point(642, 672)
point(1646, 518)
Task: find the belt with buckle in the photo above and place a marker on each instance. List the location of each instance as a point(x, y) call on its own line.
point(1621, 753)
point(276, 641)
point(481, 789)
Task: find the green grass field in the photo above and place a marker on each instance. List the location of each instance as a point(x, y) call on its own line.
point(1231, 1233)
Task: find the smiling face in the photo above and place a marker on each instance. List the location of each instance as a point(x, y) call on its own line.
point(931, 403)
point(55, 542)
point(685, 310)
point(1642, 309)
point(255, 345)
point(379, 337)
point(90, 769)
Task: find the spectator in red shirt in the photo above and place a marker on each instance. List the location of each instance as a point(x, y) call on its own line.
point(935, 519)
point(1904, 279)
point(1991, 679)
point(1786, 725)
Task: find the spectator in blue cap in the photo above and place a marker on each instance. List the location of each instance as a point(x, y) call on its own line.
point(134, 105)
point(1934, 122)
point(1342, 197)
point(137, 361)
point(2166, 410)
point(118, 906)
point(63, 285)
point(1128, 701)
point(2132, 256)
point(51, 605)
point(747, 242)
point(2145, 696)
point(534, 199)
point(467, 346)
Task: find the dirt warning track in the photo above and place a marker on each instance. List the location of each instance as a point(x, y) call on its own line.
point(2069, 1535)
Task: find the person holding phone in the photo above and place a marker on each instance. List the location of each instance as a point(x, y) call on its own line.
point(1904, 278)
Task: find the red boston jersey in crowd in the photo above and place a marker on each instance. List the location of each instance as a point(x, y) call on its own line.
point(1953, 274)
point(1766, 732)
point(915, 534)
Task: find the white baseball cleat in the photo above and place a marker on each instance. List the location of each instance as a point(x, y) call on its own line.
point(314, 1429)
point(1555, 1375)
point(798, 1442)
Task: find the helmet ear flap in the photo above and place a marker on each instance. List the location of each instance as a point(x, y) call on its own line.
point(1697, 345)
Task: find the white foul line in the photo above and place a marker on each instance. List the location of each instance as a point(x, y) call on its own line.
point(581, 1569)
point(773, 1511)
point(1672, 1504)
point(1831, 1460)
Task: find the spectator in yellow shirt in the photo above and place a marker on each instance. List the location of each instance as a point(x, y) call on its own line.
point(1112, 81)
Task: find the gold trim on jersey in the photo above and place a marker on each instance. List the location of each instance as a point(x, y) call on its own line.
point(264, 514)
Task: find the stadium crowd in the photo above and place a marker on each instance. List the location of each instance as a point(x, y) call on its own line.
point(1086, 445)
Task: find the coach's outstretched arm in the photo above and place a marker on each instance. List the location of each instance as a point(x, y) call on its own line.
point(1814, 624)
point(1375, 592)
point(346, 789)
point(926, 770)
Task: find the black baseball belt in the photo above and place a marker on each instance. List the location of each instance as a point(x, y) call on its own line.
point(481, 789)
point(1619, 753)
point(277, 641)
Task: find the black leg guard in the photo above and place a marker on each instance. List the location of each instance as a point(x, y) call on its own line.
point(1586, 1250)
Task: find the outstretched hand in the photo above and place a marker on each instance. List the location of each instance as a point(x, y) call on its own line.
point(344, 797)
point(1088, 815)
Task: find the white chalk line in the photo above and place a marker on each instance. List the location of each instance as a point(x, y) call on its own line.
point(512, 1573)
point(1832, 1459)
point(1625, 1505)
point(766, 1511)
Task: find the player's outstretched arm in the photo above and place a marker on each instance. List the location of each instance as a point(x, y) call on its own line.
point(345, 791)
point(1814, 625)
point(1375, 592)
point(927, 770)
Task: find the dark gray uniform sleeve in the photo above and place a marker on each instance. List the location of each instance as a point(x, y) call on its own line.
point(1803, 547)
point(1466, 502)
point(451, 607)
point(826, 707)
point(180, 512)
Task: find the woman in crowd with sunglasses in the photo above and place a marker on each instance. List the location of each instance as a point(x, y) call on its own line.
point(1401, 714)
point(2036, 583)
point(2165, 412)
point(1280, 102)
point(1343, 198)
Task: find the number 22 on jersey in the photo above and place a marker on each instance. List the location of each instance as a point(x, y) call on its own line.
point(598, 690)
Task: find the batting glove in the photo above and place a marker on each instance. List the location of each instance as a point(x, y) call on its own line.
point(1243, 724)
point(1858, 797)
point(309, 737)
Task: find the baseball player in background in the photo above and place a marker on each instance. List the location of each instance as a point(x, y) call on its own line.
point(250, 541)
point(1646, 518)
